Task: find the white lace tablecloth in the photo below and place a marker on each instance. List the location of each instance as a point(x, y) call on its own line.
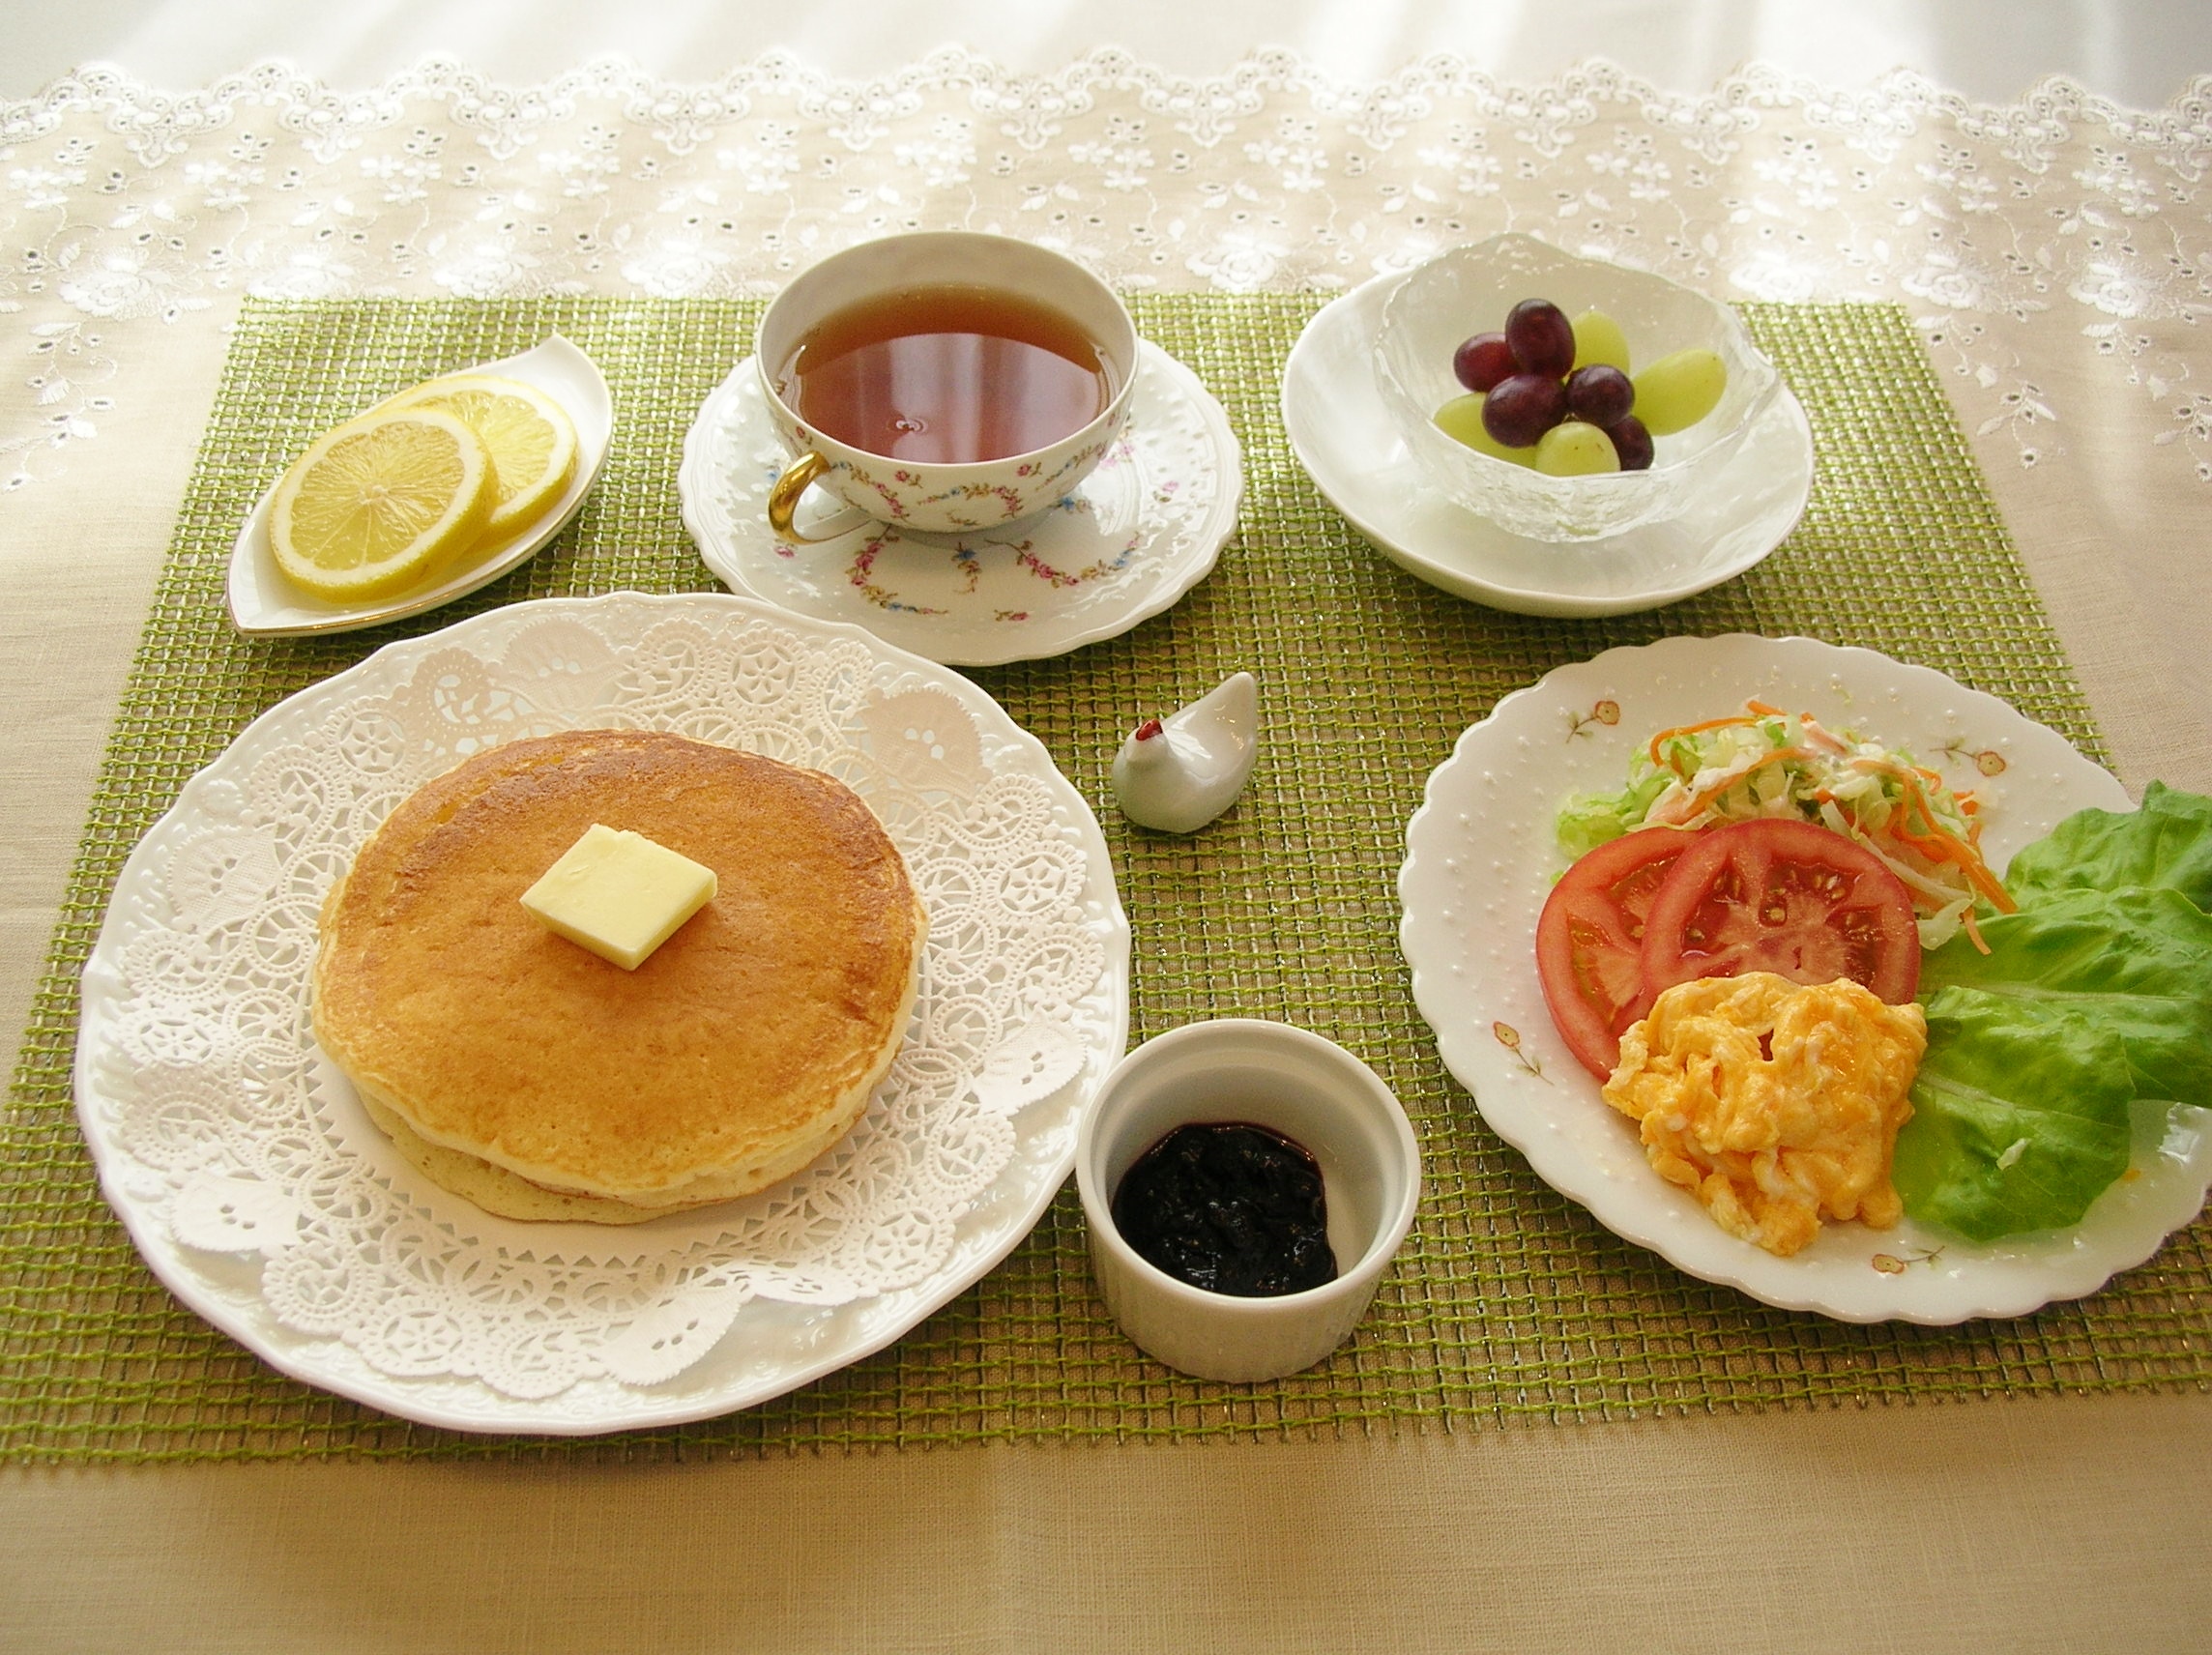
point(2055, 254)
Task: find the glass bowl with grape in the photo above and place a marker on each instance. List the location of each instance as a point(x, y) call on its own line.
point(1566, 398)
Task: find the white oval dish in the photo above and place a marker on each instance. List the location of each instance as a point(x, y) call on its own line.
point(252, 1182)
point(264, 602)
point(1481, 856)
point(1344, 436)
point(1143, 528)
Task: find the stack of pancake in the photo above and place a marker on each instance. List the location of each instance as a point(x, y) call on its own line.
point(541, 1081)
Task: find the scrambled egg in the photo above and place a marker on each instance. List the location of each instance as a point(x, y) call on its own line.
point(1776, 1105)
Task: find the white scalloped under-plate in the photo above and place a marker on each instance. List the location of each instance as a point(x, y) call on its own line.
point(264, 602)
point(1481, 856)
point(1140, 531)
point(1345, 437)
point(254, 1186)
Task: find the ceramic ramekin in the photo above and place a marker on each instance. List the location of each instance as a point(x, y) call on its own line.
point(1291, 1082)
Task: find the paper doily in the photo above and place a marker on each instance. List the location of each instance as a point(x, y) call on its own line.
point(252, 1181)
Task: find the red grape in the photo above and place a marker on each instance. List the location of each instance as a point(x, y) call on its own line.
point(1482, 361)
point(1600, 395)
point(1542, 339)
point(1631, 441)
point(1521, 409)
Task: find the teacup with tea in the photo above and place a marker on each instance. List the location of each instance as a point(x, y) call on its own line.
point(943, 381)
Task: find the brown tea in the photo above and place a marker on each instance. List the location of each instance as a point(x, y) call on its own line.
point(946, 374)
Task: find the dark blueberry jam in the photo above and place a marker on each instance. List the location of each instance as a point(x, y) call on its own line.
point(1231, 1208)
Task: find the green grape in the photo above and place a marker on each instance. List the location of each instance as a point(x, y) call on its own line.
point(1677, 392)
point(1572, 449)
point(1598, 339)
point(1460, 419)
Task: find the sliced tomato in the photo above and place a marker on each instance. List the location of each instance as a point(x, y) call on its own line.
point(1784, 896)
point(1591, 940)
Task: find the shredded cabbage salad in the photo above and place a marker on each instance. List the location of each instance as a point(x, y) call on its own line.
point(1766, 762)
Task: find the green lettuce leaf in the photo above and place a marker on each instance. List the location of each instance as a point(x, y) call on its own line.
point(1589, 820)
point(2137, 964)
point(2020, 1116)
point(2167, 845)
point(2096, 994)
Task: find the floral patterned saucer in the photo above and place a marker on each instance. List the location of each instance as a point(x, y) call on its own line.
point(1138, 533)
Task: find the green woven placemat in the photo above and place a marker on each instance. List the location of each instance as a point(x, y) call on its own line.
point(1508, 1300)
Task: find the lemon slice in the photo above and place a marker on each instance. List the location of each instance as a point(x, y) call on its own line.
point(381, 503)
point(531, 439)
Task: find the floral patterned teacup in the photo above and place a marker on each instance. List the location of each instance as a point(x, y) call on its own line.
point(940, 497)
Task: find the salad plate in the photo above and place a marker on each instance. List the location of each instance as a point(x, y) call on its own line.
point(1482, 855)
point(1143, 528)
point(1343, 434)
point(253, 1183)
point(263, 602)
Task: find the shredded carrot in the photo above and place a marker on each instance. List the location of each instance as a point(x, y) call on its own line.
point(1765, 712)
point(1937, 843)
point(1973, 931)
point(1945, 848)
point(1698, 729)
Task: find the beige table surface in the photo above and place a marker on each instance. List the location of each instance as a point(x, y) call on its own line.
point(2045, 1525)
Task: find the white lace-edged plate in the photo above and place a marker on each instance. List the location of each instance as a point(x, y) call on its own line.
point(253, 1184)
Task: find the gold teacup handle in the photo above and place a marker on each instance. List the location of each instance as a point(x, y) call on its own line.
point(783, 499)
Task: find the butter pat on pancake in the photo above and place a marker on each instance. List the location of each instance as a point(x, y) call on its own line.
point(1775, 1104)
point(619, 895)
point(552, 1085)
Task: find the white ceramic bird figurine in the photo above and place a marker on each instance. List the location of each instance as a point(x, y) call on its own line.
point(1179, 772)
